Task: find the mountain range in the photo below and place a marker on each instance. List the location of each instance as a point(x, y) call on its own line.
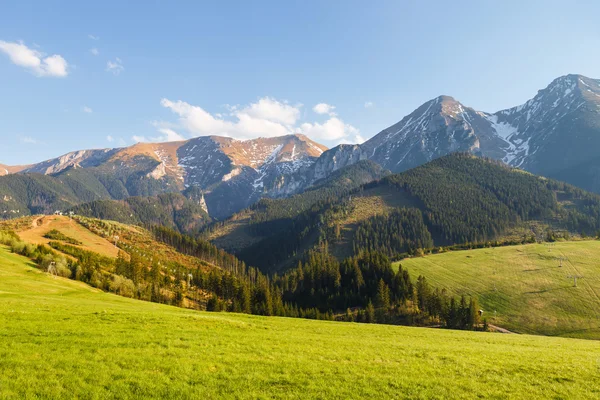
point(555, 134)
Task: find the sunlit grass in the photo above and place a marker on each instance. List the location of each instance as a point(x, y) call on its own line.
point(62, 339)
point(524, 286)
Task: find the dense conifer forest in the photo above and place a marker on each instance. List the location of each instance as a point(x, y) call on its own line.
point(172, 210)
point(457, 200)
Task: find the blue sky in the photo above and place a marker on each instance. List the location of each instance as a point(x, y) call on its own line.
point(76, 75)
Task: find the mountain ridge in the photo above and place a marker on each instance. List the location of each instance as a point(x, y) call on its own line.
point(555, 134)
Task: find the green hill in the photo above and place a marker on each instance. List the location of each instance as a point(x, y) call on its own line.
point(523, 288)
point(63, 339)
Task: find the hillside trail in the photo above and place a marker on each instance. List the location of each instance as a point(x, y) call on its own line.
point(34, 222)
point(499, 329)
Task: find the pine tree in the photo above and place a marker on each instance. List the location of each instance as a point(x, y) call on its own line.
point(246, 299)
point(349, 315)
point(473, 314)
point(383, 295)
point(370, 313)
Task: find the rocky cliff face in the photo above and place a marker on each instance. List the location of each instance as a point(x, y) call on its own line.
point(556, 130)
point(231, 174)
point(557, 133)
point(440, 126)
point(75, 159)
point(337, 158)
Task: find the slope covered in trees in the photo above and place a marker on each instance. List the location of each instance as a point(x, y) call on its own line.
point(33, 193)
point(455, 200)
point(290, 217)
point(172, 210)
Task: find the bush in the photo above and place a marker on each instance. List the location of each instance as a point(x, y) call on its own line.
point(122, 286)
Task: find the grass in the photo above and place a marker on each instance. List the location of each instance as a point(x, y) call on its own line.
point(58, 235)
point(44, 224)
point(524, 285)
point(98, 236)
point(62, 339)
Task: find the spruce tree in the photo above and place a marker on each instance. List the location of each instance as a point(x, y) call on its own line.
point(370, 313)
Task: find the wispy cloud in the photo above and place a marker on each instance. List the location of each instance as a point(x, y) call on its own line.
point(87, 109)
point(28, 140)
point(35, 61)
point(138, 139)
point(120, 141)
point(266, 117)
point(93, 37)
point(369, 104)
point(94, 51)
point(116, 67)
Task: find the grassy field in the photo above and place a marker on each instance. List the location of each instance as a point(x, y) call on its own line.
point(524, 286)
point(62, 339)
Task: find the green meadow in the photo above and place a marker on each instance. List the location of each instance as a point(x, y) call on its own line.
point(524, 288)
point(62, 339)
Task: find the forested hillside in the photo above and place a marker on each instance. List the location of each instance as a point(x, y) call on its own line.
point(290, 216)
point(455, 200)
point(172, 210)
point(165, 266)
point(33, 193)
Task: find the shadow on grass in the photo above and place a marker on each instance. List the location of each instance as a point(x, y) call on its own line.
point(540, 269)
point(597, 328)
point(548, 290)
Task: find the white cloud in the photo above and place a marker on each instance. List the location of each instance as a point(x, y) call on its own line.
point(324, 108)
point(166, 135)
point(116, 67)
point(93, 37)
point(94, 51)
point(86, 109)
point(110, 139)
point(369, 104)
point(266, 117)
point(36, 62)
point(331, 130)
point(169, 135)
point(272, 110)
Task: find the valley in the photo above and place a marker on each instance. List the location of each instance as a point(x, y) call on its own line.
point(63, 339)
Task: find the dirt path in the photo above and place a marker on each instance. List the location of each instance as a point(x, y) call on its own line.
point(34, 223)
point(499, 329)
